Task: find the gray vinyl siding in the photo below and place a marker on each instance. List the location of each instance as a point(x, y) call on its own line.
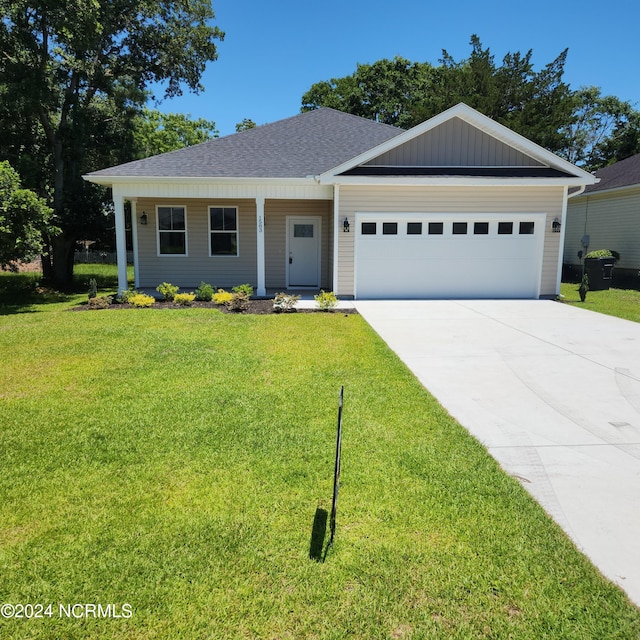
point(188, 271)
point(276, 212)
point(612, 220)
point(503, 199)
point(454, 143)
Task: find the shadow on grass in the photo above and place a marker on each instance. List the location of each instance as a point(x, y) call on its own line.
point(23, 293)
point(317, 549)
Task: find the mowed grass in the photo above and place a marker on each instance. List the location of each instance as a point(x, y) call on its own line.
point(174, 460)
point(622, 303)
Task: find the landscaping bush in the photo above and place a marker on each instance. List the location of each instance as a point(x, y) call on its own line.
point(101, 302)
point(239, 302)
point(326, 300)
point(222, 296)
point(125, 295)
point(167, 290)
point(184, 299)
point(93, 288)
point(243, 288)
point(285, 303)
point(141, 300)
point(205, 292)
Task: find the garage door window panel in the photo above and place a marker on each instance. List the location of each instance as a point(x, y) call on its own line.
point(480, 228)
point(459, 228)
point(414, 228)
point(369, 228)
point(505, 228)
point(527, 228)
point(436, 228)
point(389, 228)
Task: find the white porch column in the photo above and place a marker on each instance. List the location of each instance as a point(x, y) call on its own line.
point(261, 290)
point(336, 229)
point(121, 240)
point(134, 238)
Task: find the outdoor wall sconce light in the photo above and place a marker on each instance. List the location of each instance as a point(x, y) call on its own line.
point(556, 226)
point(345, 225)
point(144, 218)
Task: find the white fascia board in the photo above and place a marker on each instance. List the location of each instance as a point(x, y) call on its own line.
point(480, 121)
point(114, 180)
point(455, 181)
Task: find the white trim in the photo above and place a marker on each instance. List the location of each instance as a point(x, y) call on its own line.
point(260, 252)
point(336, 235)
point(318, 220)
point(211, 231)
point(186, 229)
point(450, 181)
point(121, 241)
point(563, 229)
point(478, 120)
point(134, 238)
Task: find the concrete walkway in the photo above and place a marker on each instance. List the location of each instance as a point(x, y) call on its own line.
point(553, 392)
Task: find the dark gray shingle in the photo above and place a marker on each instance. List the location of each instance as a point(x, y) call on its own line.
point(621, 174)
point(303, 145)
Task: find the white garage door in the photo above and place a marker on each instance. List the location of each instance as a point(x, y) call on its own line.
point(448, 255)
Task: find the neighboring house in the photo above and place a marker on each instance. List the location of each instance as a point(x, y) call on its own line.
point(457, 207)
point(607, 216)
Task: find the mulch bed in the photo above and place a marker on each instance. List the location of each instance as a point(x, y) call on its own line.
point(256, 307)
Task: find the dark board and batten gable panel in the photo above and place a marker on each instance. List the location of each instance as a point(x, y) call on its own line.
point(454, 143)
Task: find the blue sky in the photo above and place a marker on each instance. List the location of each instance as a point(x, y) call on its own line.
point(274, 51)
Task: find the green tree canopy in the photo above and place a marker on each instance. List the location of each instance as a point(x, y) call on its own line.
point(156, 132)
point(73, 76)
point(582, 126)
point(24, 217)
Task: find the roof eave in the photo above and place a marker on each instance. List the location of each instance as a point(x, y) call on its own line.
point(110, 181)
point(451, 181)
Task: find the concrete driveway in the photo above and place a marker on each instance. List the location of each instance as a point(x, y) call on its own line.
point(553, 392)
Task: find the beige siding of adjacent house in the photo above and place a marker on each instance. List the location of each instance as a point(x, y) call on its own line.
point(222, 271)
point(188, 271)
point(612, 220)
point(503, 199)
point(276, 213)
point(454, 143)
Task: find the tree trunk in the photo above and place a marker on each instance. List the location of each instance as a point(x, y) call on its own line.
point(57, 267)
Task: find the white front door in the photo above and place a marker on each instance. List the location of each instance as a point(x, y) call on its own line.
point(303, 252)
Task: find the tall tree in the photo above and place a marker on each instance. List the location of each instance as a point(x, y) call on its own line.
point(156, 132)
point(580, 125)
point(73, 75)
point(24, 218)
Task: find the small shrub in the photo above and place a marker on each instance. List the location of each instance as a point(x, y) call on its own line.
point(584, 287)
point(243, 288)
point(222, 297)
point(101, 302)
point(125, 295)
point(93, 288)
point(326, 300)
point(204, 292)
point(239, 302)
point(141, 300)
point(285, 303)
point(167, 290)
point(184, 299)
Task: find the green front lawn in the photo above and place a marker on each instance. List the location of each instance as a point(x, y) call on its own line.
point(175, 460)
point(622, 303)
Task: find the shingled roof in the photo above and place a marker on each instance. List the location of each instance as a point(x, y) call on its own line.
point(625, 173)
point(297, 147)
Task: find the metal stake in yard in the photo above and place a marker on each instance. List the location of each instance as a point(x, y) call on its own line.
point(336, 473)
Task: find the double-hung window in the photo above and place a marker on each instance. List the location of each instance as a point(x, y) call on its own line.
point(223, 226)
point(172, 231)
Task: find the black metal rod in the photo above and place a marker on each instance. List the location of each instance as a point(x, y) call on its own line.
point(336, 473)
